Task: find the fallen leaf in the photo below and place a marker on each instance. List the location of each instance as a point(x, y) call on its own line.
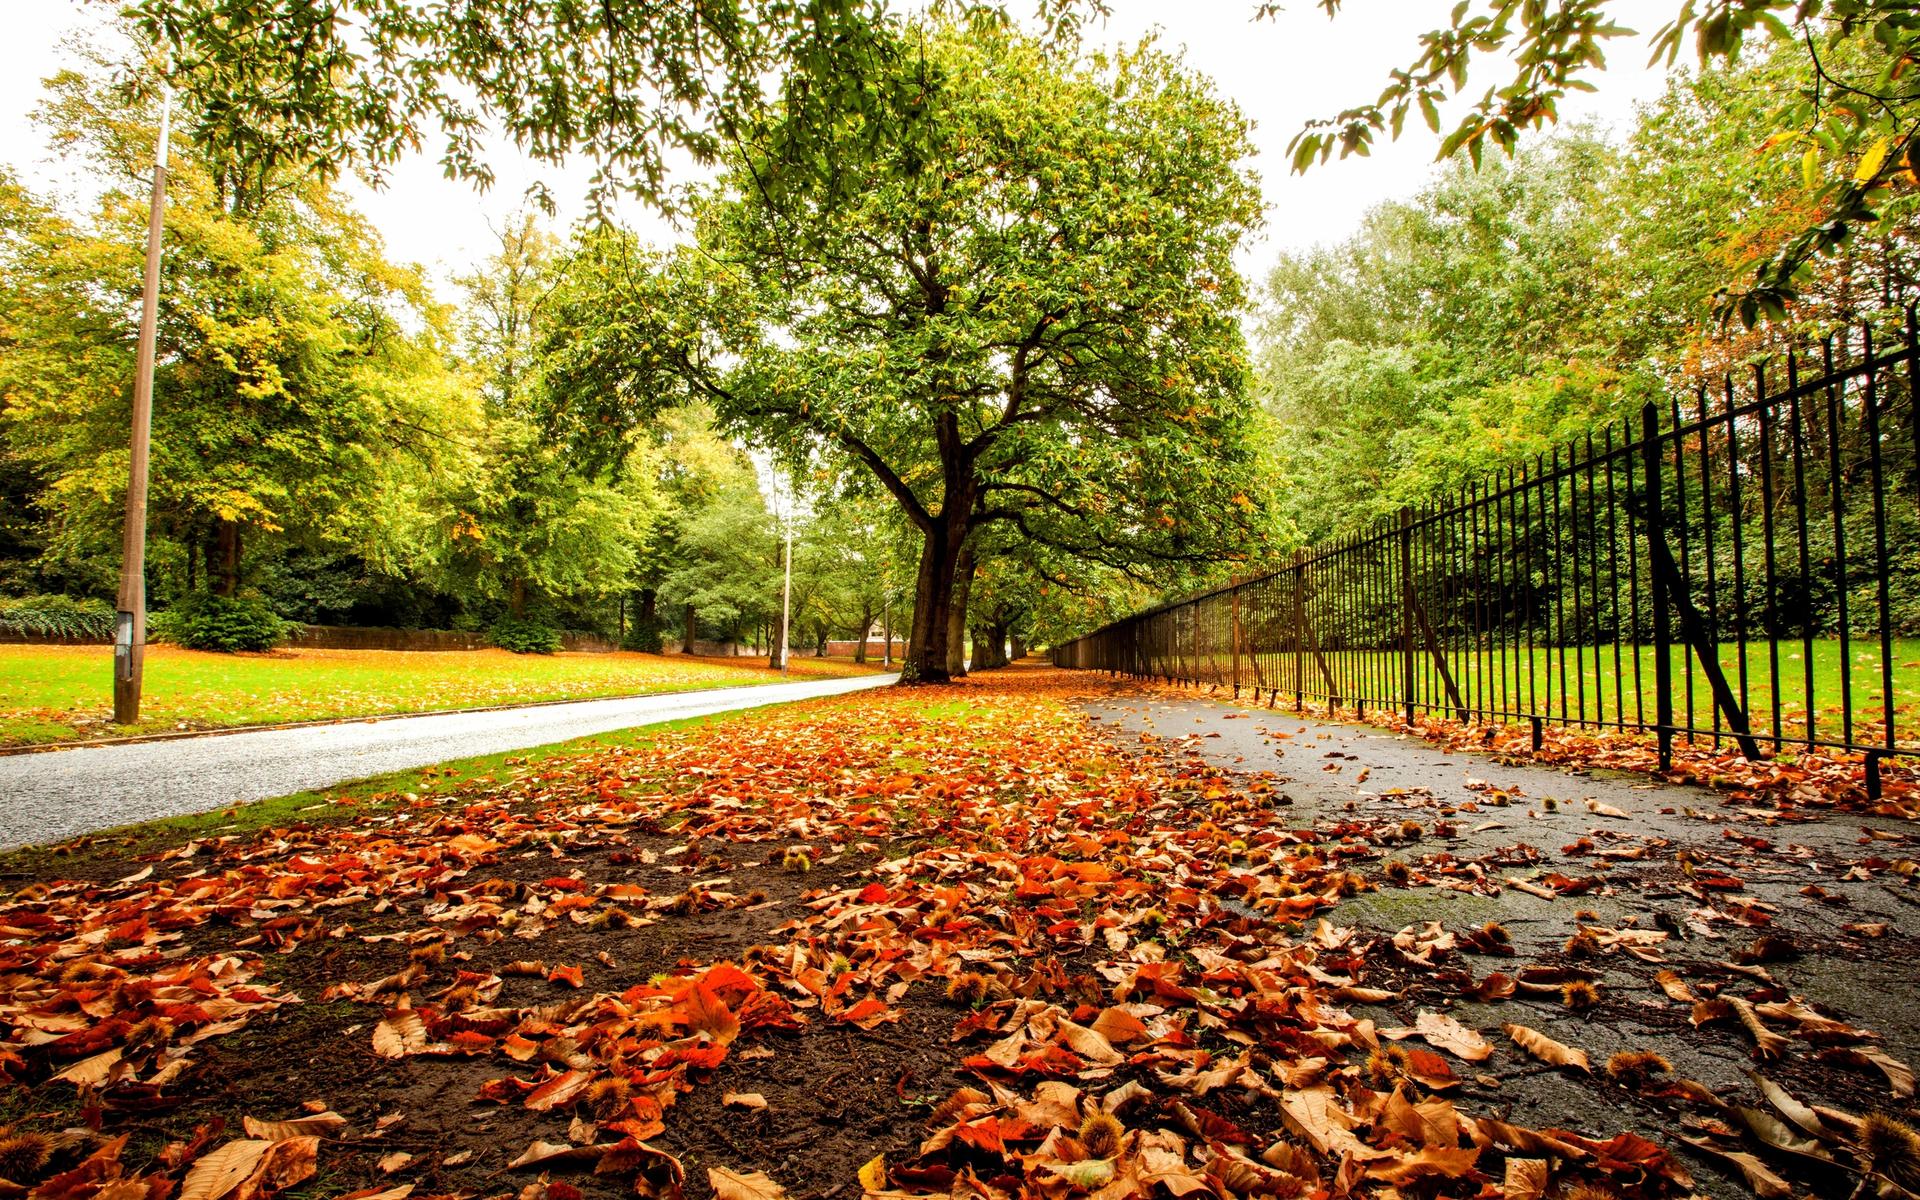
point(750, 1185)
point(1544, 1048)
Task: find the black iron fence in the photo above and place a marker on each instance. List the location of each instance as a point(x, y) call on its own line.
point(1742, 565)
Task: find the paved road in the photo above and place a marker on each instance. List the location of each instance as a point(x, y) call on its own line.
point(63, 793)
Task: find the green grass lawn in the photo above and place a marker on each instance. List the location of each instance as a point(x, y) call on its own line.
point(356, 800)
point(62, 693)
point(1498, 678)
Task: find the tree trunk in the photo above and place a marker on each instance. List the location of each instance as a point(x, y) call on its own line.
point(989, 646)
point(865, 631)
point(1019, 650)
point(997, 643)
point(926, 658)
point(776, 645)
point(223, 560)
point(957, 613)
point(649, 607)
point(689, 627)
point(517, 598)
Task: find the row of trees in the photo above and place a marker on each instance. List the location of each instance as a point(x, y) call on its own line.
point(975, 285)
point(991, 326)
point(336, 439)
point(1511, 308)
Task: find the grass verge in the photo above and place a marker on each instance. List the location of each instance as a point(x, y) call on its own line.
point(53, 694)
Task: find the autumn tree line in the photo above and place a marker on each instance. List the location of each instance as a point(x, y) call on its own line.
point(969, 291)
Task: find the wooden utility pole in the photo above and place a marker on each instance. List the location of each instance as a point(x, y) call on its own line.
point(130, 627)
point(786, 595)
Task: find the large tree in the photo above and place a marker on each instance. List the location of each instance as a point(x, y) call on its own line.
point(1002, 288)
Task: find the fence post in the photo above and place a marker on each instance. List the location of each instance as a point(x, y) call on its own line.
point(1236, 637)
point(1299, 630)
point(1406, 609)
point(1662, 618)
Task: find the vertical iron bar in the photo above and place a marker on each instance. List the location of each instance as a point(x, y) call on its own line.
point(1797, 431)
point(1739, 547)
point(1613, 581)
point(1712, 611)
point(1579, 605)
point(1628, 445)
point(1771, 618)
point(1837, 501)
point(1662, 628)
point(1882, 566)
point(1680, 520)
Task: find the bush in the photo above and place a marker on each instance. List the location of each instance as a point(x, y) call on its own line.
point(57, 617)
point(204, 621)
point(525, 637)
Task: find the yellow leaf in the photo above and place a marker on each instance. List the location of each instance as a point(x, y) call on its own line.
point(1872, 161)
point(1547, 1050)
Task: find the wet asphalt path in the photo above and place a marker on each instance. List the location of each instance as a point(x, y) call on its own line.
point(1814, 878)
point(58, 794)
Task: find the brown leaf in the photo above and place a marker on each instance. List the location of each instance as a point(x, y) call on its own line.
point(1760, 1177)
point(750, 1185)
point(1526, 1179)
point(217, 1173)
point(401, 1033)
point(1544, 1048)
point(1450, 1035)
point(1675, 988)
point(558, 1091)
point(1766, 1043)
point(319, 1124)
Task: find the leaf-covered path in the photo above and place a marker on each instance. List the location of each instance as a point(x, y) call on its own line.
point(55, 794)
point(970, 942)
point(1613, 874)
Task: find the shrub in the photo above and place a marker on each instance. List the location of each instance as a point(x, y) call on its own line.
point(204, 621)
point(57, 617)
point(525, 637)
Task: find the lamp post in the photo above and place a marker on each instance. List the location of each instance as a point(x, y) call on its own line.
point(786, 593)
point(130, 625)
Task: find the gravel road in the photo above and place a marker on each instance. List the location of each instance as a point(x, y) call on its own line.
point(58, 794)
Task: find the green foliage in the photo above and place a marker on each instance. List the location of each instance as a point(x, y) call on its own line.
point(523, 636)
point(207, 621)
point(1003, 292)
point(303, 384)
point(357, 82)
point(646, 635)
point(57, 617)
point(1506, 311)
point(1842, 125)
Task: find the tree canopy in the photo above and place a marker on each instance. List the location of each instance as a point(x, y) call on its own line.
point(1845, 126)
point(1002, 292)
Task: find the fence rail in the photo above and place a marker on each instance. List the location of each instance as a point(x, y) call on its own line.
point(1741, 566)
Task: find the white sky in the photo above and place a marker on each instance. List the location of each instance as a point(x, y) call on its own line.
point(1280, 72)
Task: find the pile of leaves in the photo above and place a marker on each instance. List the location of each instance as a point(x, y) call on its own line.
point(1082, 970)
